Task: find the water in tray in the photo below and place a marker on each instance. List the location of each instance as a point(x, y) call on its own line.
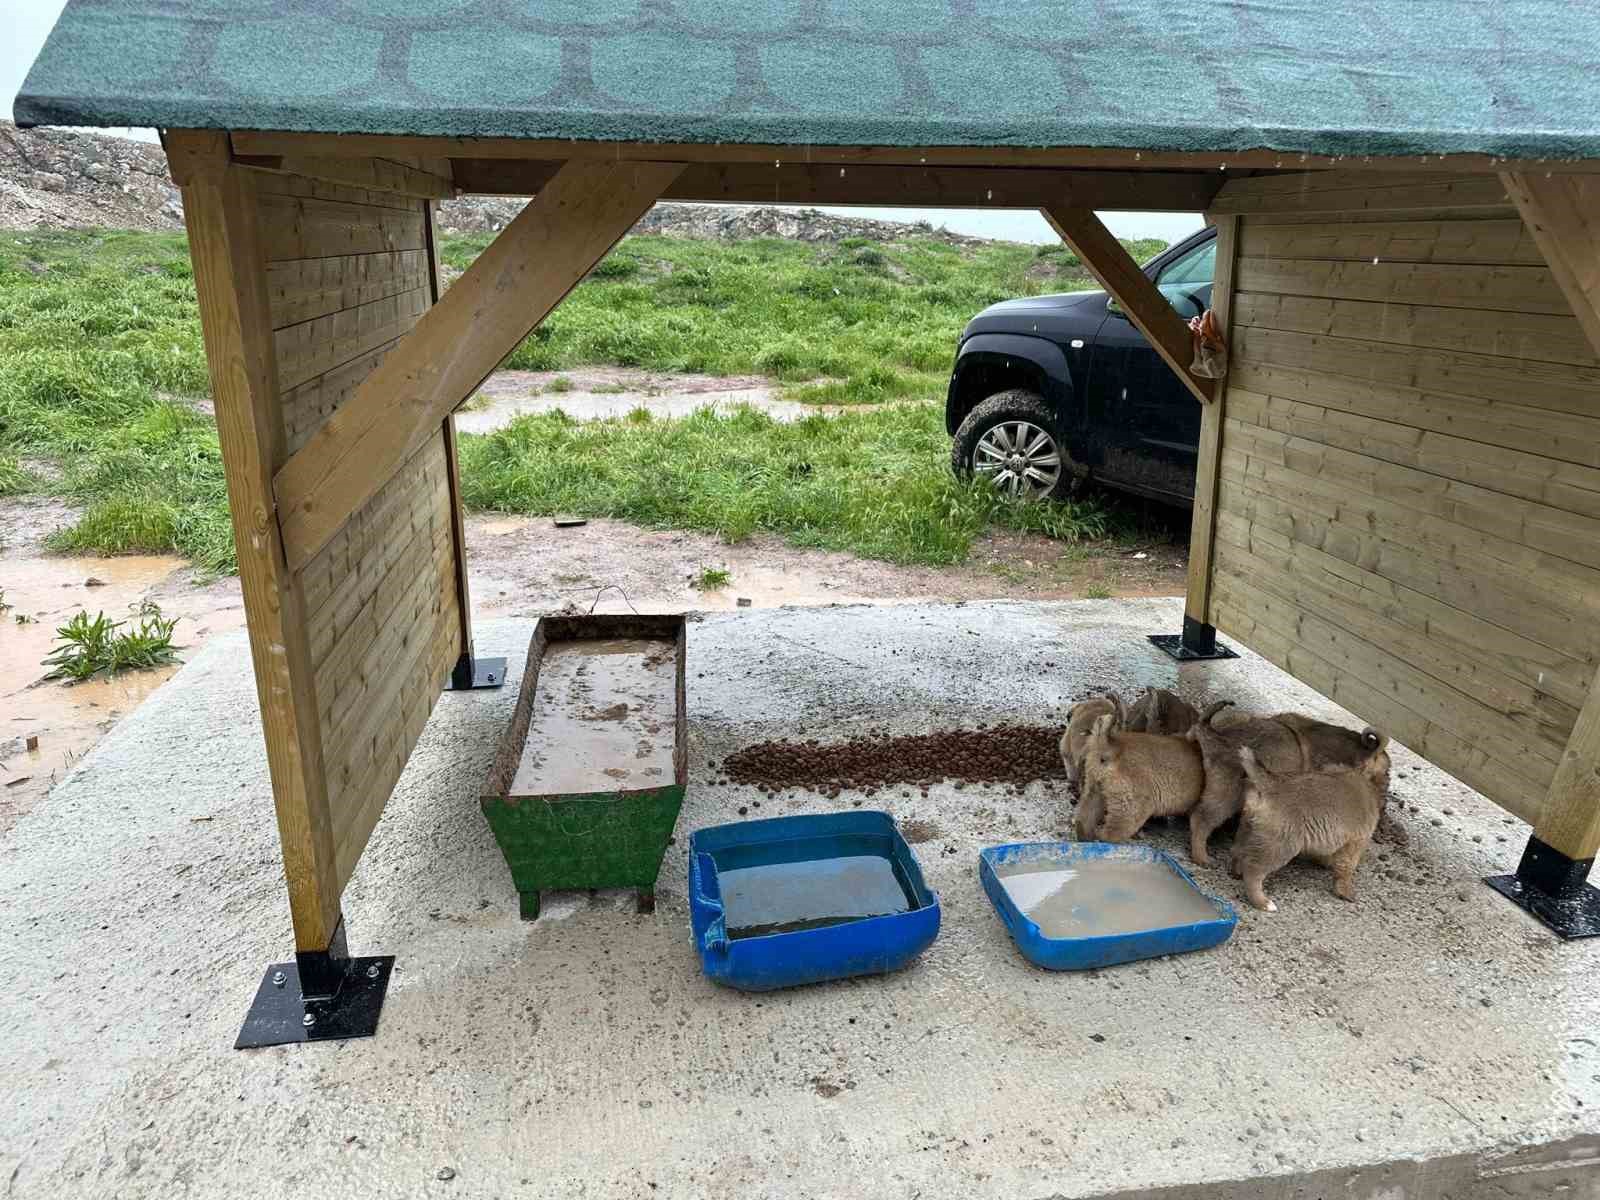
point(785, 897)
point(1098, 897)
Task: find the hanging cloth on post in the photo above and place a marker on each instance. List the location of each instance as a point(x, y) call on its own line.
point(1210, 350)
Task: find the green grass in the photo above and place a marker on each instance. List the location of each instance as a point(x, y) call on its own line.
point(875, 482)
point(103, 365)
point(85, 646)
point(852, 323)
point(712, 579)
point(102, 356)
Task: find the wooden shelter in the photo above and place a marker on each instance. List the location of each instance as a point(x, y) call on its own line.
point(1399, 492)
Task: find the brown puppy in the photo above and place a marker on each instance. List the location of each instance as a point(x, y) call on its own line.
point(1130, 777)
point(1080, 721)
point(1161, 711)
point(1327, 814)
point(1283, 744)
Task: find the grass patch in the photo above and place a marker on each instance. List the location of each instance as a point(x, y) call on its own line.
point(874, 482)
point(862, 321)
point(86, 646)
point(1097, 591)
point(103, 364)
point(712, 579)
point(101, 344)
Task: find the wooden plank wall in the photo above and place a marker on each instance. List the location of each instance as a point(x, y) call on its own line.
point(349, 272)
point(1409, 502)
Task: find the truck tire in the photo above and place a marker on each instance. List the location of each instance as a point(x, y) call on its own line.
point(1013, 439)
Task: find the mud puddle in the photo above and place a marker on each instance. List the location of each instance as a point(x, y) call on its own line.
point(66, 719)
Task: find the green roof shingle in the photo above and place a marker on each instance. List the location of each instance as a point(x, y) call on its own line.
point(1519, 78)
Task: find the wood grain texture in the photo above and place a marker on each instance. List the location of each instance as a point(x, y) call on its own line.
point(1480, 286)
point(1409, 494)
point(1563, 215)
point(222, 214)
point(1350, 191)
point(1202, 524)
point(300, 227)
point(1109, 262)
point(249, 142)
point(507, 291)
point(782, 182)
point(302, 289)
point(458, 508)
point(1500, 242)
point(1570, 819)
point(377, 174)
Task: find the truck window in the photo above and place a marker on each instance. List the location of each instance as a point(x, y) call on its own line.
point(1195, 267)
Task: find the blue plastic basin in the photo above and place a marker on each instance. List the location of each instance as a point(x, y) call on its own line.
point(1087, 953)
point(793, 900)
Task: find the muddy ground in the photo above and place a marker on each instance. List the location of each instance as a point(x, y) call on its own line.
point(520, 566)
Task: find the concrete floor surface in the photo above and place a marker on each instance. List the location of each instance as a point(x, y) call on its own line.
point(1429, 1040)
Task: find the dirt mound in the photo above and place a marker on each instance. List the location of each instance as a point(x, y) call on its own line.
point(59, 179)
point(1014, 754)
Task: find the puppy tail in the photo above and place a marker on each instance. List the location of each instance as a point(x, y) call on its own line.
point(1213, 709)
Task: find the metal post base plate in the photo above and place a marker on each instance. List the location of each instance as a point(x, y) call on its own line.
point(280, 1015)
point(1552, 887)
point(473, 673)
point(1569, 917)
point(1172, 643)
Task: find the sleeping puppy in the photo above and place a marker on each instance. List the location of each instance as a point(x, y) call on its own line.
point(1327, 814)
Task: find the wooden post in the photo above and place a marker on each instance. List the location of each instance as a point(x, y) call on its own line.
point(1107, 260)
point(219, 207)
point(462, 677)
point(1563, 215)
point(1202, 529)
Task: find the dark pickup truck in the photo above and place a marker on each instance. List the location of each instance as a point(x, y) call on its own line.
point(1051, 391)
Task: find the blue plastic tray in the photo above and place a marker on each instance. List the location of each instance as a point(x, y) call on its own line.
point(789, 869)
point(1087, 953)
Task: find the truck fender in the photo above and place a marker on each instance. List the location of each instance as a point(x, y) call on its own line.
point(1037, 357)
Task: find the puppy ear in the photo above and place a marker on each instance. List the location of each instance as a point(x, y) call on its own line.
point(1121, 711)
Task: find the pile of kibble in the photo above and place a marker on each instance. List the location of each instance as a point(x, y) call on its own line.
point(1006, 754)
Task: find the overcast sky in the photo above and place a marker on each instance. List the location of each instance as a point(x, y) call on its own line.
point(30, 22)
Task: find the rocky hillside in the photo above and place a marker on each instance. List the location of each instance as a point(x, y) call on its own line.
point(55, 179)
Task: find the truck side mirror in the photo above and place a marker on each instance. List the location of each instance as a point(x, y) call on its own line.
point(1113, 307)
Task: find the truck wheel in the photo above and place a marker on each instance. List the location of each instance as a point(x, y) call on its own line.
point(1011, 438)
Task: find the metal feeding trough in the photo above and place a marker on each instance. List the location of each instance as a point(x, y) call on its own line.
point(1075, 906)
point(590, 774)
point(795, 900)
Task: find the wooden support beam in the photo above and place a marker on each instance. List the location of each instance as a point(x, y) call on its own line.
point(1104, 256)
point(1563, 215)
point(1570, 819)
point(400, 145)
point(452, 463)
point(1203, 525)
point(230, 279)
point(829, 183)
point(378, 174)
point(508, 290)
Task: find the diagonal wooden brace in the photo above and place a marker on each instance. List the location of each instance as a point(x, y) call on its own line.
point(1141, 300)
point(555, 241)
point(1563, 214)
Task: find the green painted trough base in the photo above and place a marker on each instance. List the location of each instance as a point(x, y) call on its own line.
point(603, 839)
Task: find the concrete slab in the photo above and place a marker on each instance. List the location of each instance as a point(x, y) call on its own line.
point(1429, 1040)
